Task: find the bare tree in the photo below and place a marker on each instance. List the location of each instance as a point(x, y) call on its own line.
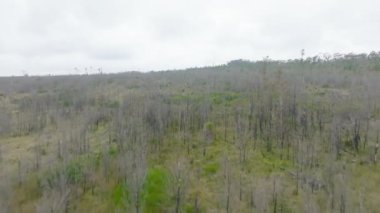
point(180, 176)
point(208, 133)
point(56, 195)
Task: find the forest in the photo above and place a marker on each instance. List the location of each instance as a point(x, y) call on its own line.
point(300, 135)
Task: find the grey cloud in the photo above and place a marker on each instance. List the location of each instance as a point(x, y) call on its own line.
point(109, 53)
point(44, 36)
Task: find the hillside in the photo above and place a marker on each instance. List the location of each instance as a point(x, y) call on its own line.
point(265, 136)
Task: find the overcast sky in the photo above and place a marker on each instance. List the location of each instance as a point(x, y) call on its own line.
point(57, 37)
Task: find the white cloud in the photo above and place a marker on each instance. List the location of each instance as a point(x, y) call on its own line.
point(54, 37)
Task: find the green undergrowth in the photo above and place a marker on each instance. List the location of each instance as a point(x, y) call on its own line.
point(155, 195)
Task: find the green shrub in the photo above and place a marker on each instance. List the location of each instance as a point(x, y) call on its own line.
point(155, 194)
point(120, 196)
point(211, 168)
point(74, 172)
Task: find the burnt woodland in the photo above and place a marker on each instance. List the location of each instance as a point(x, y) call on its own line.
point(264, 136)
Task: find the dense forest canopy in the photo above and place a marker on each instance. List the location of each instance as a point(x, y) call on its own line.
point(265, 136)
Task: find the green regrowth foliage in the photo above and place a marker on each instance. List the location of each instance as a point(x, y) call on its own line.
point(155, 193)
